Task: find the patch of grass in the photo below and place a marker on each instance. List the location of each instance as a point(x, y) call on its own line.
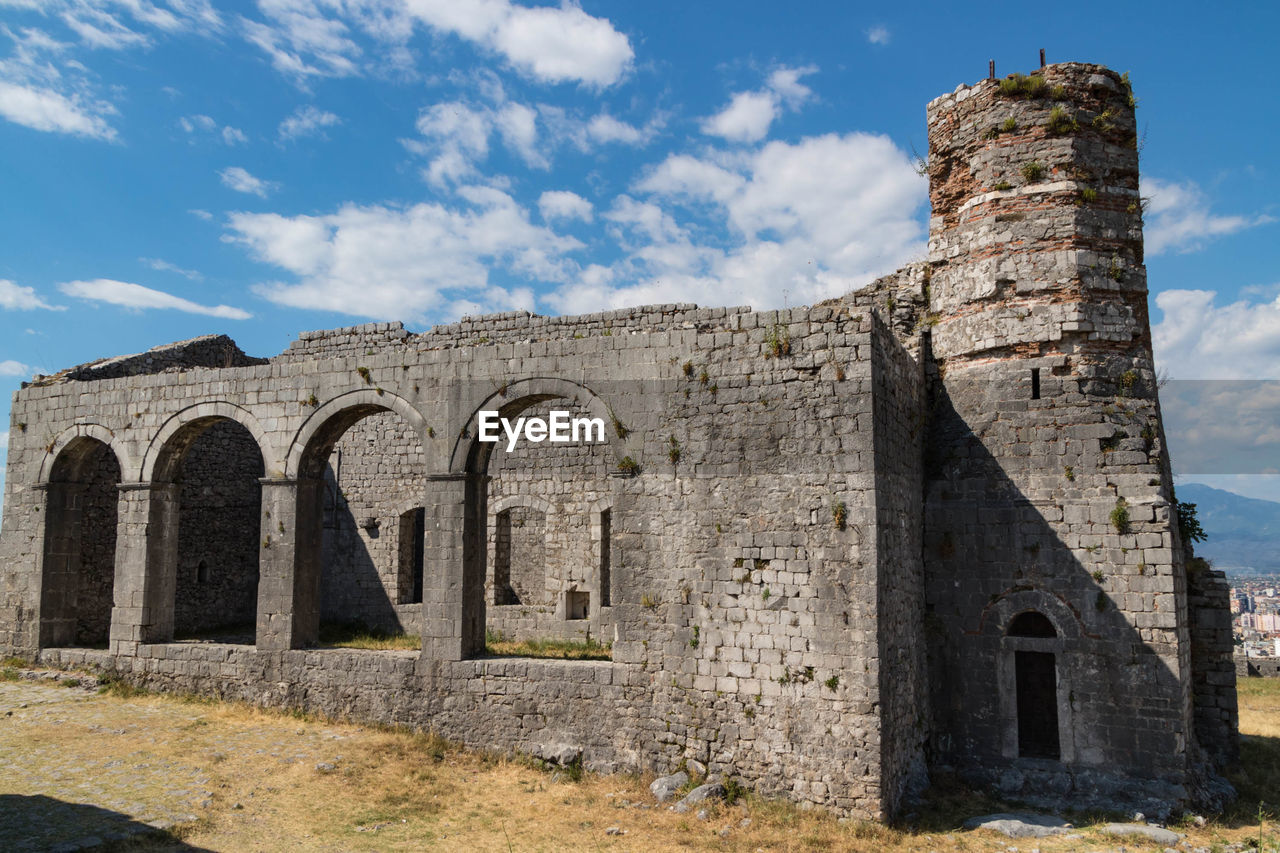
point(9, 674)
point(588, 649)
point(1023, 86)
point(1004, 185)
point(627, 465)
point(1032, 172)
point(1061, 122)
point(352, 635)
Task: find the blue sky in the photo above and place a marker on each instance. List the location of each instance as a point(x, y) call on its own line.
point(171, 168)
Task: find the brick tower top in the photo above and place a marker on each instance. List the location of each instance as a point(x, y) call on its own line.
point(1036, 235)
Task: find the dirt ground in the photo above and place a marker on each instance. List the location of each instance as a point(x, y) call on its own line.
point(83, 769)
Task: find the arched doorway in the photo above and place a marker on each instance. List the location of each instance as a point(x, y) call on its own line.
point(540, 516)
point(209, 577)
point(359, 548)
point(1036, 687)
point(78, 572)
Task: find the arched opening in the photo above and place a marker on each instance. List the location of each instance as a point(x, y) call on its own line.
point(1036, 686)
point(542, 522)
point(78, 573)
point(368, 569)
point(215, 466)
point(1031, 624)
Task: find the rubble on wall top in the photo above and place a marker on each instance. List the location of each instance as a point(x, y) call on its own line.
point(215, 351)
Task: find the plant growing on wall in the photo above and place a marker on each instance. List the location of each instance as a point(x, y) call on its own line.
point(1120, 516)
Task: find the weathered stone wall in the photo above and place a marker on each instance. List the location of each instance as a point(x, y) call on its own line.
point(218, 532)
point(1257, 667)
point(1217, 715)
point(733, 536)
point(97, 550)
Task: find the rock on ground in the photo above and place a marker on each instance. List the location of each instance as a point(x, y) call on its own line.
point(1020, 825)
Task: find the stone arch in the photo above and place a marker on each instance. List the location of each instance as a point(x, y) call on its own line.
point(164, 453)
point(328, 422)
point(529, 501)
point(77, 561)
point(995, 618)
point(470, 455)
point(84, 430)
point(205, 466)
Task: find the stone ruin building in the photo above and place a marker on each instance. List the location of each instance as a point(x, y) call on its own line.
point(928, 526)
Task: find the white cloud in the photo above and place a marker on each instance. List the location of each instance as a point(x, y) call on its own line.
point(878, 35)
point(15, 368)
point(193, 123)
point(551, 44)
point(136, 296)
point(300, 29)
point(562, 204)
point(801, 222)
point(16, 298)
point(410, 262)
point(606, 128)
point(456, 137)
point(206, 124)
point(47, 110)
point(1178, 218)
point(236, 178)
point(162, 265)
point(200, 214)
point(749, 115)
point(307, 121)
point(1196, 339)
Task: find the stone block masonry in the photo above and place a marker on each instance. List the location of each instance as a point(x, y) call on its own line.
point(925, 525)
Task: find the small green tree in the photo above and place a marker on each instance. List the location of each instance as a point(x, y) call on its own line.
point(1189, 524)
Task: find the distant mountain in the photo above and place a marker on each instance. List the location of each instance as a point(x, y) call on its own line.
point(1243, 532)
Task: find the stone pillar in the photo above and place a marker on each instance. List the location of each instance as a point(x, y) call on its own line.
point(289, 564)
point(453, 608)
point(146, 566)
point(60, 567)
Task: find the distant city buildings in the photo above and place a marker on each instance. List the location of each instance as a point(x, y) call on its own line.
point(1255, 614)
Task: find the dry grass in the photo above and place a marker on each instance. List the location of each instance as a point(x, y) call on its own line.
point(354, 636)
point(588, 649)
point(397, 790)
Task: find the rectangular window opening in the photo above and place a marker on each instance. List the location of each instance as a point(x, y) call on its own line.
point(1035, 383)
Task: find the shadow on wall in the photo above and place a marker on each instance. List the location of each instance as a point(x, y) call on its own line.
point(1063, 703)
point(352, 586)
point(219, 530)
point(44, 823)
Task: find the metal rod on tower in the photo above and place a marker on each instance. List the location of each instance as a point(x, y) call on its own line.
point(1042, 57)
point(991, 69)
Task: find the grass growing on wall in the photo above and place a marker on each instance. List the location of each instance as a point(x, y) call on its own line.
point(589, 649)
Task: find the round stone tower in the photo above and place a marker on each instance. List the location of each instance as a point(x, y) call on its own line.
point(1060, 639)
